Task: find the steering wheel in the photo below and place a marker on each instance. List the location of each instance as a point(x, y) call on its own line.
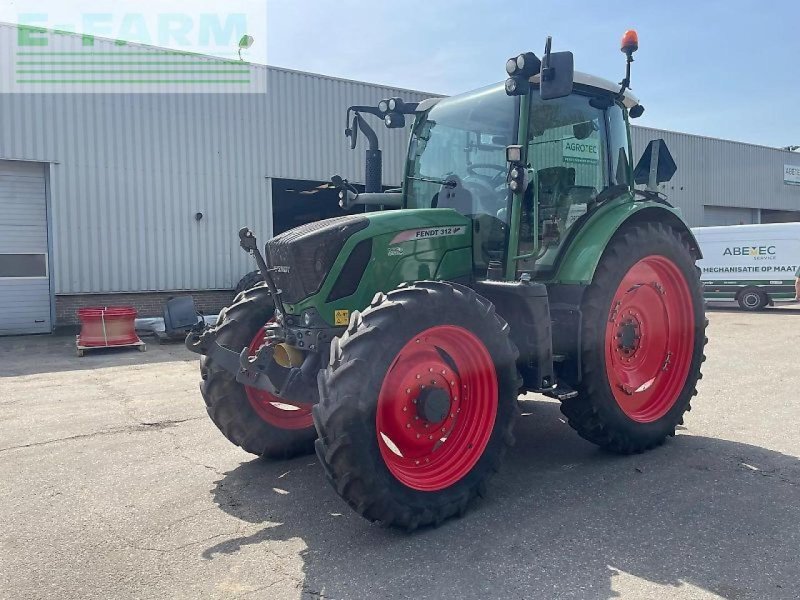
point(499, 168)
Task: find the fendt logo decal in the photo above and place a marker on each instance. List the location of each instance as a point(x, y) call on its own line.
point(749, 251)
point(430, 232)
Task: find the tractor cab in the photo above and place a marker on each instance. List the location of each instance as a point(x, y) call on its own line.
point(573, 154)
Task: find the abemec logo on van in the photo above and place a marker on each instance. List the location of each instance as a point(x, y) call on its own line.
point(757, 252)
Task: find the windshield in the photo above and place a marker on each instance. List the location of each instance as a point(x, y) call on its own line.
point(460, 147)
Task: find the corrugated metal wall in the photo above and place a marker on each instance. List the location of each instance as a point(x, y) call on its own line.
point(717, 172)
point(130, 171)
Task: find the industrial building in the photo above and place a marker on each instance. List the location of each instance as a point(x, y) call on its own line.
point(110, 198)
point(723, 182)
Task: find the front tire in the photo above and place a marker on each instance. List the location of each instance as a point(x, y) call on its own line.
point(253, 419)
point(643, 338)
point(418, 404)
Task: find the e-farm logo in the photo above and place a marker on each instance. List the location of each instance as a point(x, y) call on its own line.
point(142, 52)
point(758, 252)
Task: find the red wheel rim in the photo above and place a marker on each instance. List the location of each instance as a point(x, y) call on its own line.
point(271, 408)
point(436, 408)
point(649, 339)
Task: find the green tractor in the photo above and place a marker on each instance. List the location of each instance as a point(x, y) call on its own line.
point(517, 257)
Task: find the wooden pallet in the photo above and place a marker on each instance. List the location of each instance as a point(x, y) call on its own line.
point(82, 349)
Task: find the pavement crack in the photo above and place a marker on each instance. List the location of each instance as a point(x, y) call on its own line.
point(158, 425)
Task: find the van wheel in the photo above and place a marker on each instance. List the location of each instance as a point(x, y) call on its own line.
point(752, 299)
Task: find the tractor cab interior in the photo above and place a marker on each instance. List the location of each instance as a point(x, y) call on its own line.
point(567, 148)
point(457, 160)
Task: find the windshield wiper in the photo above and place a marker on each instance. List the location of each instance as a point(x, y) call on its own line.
point(444, 182)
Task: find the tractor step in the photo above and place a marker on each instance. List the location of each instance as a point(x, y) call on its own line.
point(560, 392)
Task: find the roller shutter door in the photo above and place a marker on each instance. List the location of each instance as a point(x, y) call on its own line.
point(24, 275)
point(728, 215)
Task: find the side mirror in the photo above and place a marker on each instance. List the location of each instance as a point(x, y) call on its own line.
point(557, 76)
point(655, 166)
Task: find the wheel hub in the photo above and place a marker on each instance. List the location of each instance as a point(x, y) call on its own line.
point(629, 335)
point(433, 405)
point(436, 408)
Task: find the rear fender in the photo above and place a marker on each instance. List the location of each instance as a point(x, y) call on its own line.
point(580, 259)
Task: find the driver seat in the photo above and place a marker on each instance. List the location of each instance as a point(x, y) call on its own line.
point(458, 198)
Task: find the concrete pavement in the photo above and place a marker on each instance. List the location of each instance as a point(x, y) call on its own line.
point(114, 484)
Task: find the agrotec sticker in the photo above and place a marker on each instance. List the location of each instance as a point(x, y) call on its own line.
point(341, 317)
point(430, 232)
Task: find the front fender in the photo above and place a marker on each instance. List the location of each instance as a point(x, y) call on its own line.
point(580, 259)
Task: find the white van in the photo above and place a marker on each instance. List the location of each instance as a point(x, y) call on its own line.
point(753, 265)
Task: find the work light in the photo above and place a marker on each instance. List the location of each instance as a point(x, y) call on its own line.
point(516, 85)
point(526, 64)
point(394, 120)
point(396, 104)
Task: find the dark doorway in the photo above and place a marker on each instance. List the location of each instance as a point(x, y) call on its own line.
point(779, 216)
point(297, 202)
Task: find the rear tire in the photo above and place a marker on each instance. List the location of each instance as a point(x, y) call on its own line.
point(374, 432)
point(643, 338)
point(251, 280)
point(235, 409)
point(752, 299)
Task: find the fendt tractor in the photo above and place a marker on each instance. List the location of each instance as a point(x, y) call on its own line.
point(519, 256)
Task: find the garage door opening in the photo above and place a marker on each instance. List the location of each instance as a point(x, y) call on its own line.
point(780, 216)
point(728, 215)
point(24, 273)
point(297, 202)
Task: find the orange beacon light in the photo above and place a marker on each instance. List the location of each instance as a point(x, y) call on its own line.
point(630, 42)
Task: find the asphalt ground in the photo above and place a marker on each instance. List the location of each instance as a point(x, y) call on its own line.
point(115, 484)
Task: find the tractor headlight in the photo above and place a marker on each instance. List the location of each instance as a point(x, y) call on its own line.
point(514, 185)
point(383, 106)
point(396, 104)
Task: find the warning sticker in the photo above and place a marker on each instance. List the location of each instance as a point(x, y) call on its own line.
point(430, 232)
point(341, 317)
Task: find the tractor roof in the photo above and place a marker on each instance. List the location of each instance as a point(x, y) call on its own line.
point(628, 100)
point(583, 79)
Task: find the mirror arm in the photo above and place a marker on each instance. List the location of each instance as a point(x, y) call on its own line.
point(368, 131)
